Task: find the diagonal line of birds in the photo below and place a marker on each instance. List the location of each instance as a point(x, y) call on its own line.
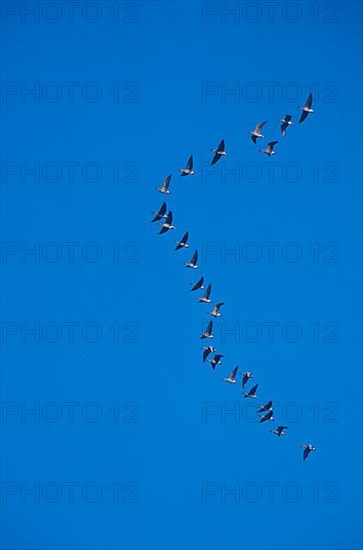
point(164, 218)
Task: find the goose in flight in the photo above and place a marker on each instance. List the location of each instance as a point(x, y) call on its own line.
point(246, 376)
point(168, 224)
point(266, 407)
point(188, 170)
point(183, 243)
point(208, 331)
point(193, 262)
point(216, 360)
point(207, 350)
point(216, 312)
point(205, 298)
point(252, 392)
point(257, 131)
point(267, 416)
point(308, 448)
point(279, 430)
point(285, 123)
point(269, 148)
point(307, 108)
point(198, 285)
point(219, 152)
point(231, 379)
point(160, 214)
point(165, 186)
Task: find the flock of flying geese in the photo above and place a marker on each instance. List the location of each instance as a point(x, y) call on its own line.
point(165, 220)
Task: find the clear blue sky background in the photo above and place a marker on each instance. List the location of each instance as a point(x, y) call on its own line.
point(170, 452)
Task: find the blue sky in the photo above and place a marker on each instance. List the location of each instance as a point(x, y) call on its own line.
point(173, 450)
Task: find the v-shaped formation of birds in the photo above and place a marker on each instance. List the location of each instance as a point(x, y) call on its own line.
point(165, 220)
